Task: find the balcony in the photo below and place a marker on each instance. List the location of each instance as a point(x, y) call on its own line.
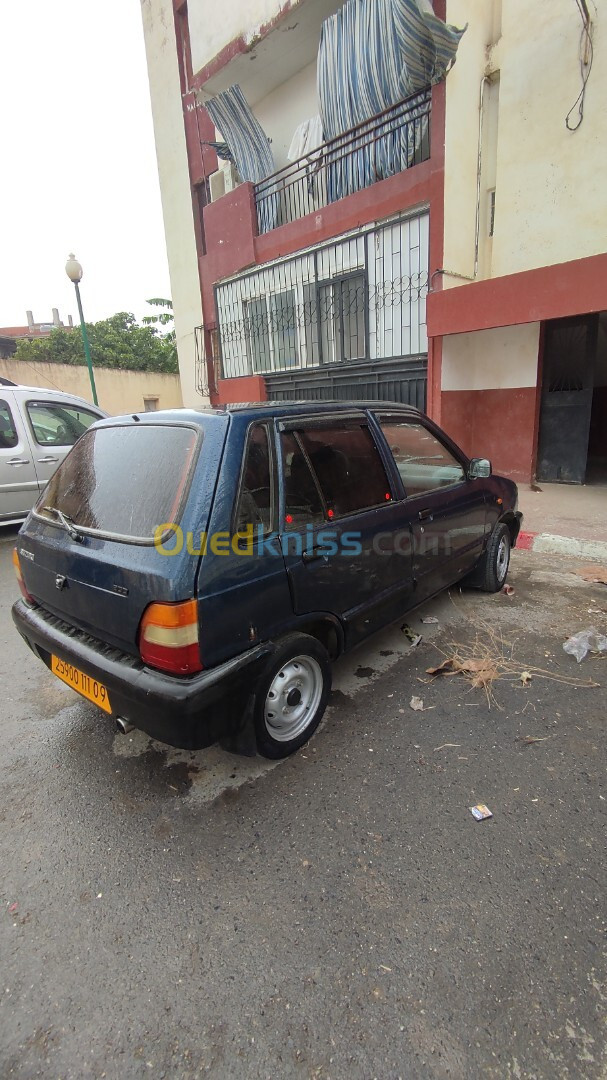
point(383, 146)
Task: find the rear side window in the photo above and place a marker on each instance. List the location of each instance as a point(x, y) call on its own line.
point(8, 432)
point(58, 425)
point(350, 472)
point(303, 504)
point(256, 496)
point(423, 462)
point(124, 481)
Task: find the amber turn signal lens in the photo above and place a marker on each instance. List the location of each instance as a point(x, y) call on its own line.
point(168, 637)
point(19, 576)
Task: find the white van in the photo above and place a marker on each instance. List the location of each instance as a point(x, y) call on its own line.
point(37, 428)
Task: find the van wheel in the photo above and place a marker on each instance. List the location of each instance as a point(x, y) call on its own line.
point(494, 565)
point(291, 696)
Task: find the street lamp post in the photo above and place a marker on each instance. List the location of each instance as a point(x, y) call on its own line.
point(73, 270)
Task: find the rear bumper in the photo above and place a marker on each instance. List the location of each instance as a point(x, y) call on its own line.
point(188, 712)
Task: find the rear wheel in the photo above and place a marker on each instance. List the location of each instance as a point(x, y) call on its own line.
point(494, 565)
point(291, 696)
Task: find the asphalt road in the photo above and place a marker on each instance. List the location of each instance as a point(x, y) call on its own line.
point(338, 915)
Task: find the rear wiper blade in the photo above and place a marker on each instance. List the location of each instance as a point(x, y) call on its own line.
point(67, 523)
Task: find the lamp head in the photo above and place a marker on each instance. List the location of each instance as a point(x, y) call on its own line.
point(73, 269)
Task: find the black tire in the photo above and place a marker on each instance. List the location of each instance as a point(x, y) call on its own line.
point(305, 666)
point(493, 567)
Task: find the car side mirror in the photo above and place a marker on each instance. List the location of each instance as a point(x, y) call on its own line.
point(479, 468)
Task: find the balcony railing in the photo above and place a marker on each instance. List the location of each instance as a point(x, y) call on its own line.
point(383, 146)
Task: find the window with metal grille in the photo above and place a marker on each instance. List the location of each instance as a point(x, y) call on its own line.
point(343, 326)
point(362, 297)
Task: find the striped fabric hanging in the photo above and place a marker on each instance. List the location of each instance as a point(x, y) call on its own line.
point(247, 142)
point(372, 55)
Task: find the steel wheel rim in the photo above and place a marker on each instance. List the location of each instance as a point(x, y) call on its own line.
point(503, 558)
point(293, 698)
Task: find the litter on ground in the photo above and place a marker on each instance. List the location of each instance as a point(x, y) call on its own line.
point(480, 812)
point(579, 645)
point(529, 740)
point(489, 658)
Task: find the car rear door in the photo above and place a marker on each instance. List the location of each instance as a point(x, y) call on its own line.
point(18, 480)
point(446, 511)
point(340, 524)
point(55, 425)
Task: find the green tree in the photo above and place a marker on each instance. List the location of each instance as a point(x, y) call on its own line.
point(117, 342)
point(164, 318)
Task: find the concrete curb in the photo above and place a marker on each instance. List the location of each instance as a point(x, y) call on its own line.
point(562, 545)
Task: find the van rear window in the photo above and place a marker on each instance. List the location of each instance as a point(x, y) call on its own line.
point(124, 481)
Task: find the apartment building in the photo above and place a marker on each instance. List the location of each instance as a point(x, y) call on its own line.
point(363, 201)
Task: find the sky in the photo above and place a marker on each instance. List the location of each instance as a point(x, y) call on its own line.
point(78, 165)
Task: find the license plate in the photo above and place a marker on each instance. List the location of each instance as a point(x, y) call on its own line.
point(84, 684)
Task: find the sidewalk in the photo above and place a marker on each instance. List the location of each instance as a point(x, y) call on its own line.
point(565, 519)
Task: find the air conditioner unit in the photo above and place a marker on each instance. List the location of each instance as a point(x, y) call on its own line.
point(217, 185)
point(223, 181)
point(230, 176)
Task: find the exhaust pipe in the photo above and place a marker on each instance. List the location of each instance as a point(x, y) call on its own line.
point(123, 726)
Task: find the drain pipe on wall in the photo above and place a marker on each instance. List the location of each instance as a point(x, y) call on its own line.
point(479, 166)
point(477, 216)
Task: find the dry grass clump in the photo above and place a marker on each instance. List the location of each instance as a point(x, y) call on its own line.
point(490, 657)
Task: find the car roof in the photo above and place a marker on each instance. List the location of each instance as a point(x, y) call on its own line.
point(303, 405)
point(251, 410)
point(45, 392)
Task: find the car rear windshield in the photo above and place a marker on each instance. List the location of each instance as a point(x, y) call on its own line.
point(124, 481)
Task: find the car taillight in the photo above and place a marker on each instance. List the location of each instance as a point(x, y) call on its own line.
point(168, 637)
point(17, 565)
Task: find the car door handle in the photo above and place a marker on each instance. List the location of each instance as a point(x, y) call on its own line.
point(18, 461)
point(312, 554)
point(46, 460)
point(426, 515)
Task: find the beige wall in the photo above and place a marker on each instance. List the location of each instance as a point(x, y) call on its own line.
point(213, 25)
point(498, 359)
point(551, 194)
point(461, 133)
point(280, 112)
point(118, 391)
point(171, 153)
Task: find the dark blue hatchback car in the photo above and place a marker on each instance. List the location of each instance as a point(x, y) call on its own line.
point(194, 573)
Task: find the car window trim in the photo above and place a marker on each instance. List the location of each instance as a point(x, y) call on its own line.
point(316, 422)
point(14, 426)
point(440, 435)
point(66, 404)
point(141, 541)
point(315, 481)
point(273, 478)
point(459, 457)
point(362, 420)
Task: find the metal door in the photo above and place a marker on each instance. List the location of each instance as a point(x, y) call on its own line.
point(18, 483)
point(566, 404)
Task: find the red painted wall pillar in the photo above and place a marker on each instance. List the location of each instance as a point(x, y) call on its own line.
point(244, 388)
